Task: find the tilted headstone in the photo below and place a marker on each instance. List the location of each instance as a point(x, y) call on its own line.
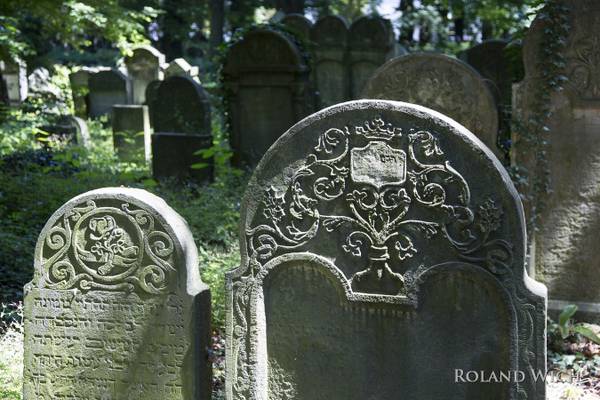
point(40, 82)
point(182, 126)
point(180, 67)
point(383, 253)
point(14, 77)
point(67, 129)
point(567, 229)
point(143, 67)
point(299, 25)
point(266, 79)
point(329, 37)
point(131, 132)
point(371, 44)
point(444, 84)
point(116, 308)
point(107, 88)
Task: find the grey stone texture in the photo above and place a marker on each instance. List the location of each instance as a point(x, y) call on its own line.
point(131, 132)
point(329, 38)
point(14, 79)
point(444, 84)
point(564, 247)
point(180, 67)
point(267, 85)
point(143, 67)
point(116, 308)
point(299, 25)
point(107, 88)
point(382, 248)
point(80, 90)
point(371, 44)
point(69, 129)
point(182, 126)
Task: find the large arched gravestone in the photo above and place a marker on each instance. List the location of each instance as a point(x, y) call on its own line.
point(267, 90)
point(144, 65)
point(444, 84)
point(107, 88)
point(116, 308)
point(329, 37)
point(378, 240)
point(299, 25)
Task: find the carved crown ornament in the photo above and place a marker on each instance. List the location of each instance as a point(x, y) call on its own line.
point(387, 192)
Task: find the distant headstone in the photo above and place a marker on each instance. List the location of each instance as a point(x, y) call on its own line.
point(151, 96)
point(371, 44)
point(143, 67)
point(268, 91)
point(380, 239)
point(180, 67)
point(131, 132)
point(116, 308)
point(329, 37)
point(67, 129)
point(80, 90)
point(182, 126)
point(14, 77)
point(299, 25)
point(40, 83)
point(107, 88)
point(566, 233)
point(444, 84)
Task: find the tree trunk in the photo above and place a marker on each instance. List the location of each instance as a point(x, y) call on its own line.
point(217, 20)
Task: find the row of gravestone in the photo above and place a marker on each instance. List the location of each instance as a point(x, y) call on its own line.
point(378, 239)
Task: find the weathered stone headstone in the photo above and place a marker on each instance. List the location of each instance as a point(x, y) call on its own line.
point(380, 239)
point(116, 308)
point(107, 88)
point(14, 76)
point(143, 67)
point(180, 67)
point(40, 83)
point(68, 129)
point(329, 37)
point(182, 126)
point(80, 90)
point(267, 82)
point(371, 44)
point(131, 132)
point(298, 24)
point(151, 96)
point(444, 84)
point(567, 229)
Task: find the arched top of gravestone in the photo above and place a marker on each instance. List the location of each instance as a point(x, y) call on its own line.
point(116, 239)
point(106, 80)
point(371, 32)
point(144, 57)
point(442, 83)
point(264, 50)
point(181, 106)
point(330, 31)
point(298, 24)
point(180, 67)
point(382, 181)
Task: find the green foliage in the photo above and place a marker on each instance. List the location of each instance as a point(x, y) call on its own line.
point(11, 350)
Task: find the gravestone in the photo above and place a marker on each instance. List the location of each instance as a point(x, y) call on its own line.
point(67, 129)
point(299, 25)
point(143, 67)
point(40, 83)
point(329, 37)
point(380, 239)
point(80, 90)
point(180, 67)
point(266, 79)
point(564, 244)
point(444, 84)
point(107, 88)
point(182, 127)
point(14, 77)
point(116, 308)
point(151, 96)
point(131, 132)
point(371, 44)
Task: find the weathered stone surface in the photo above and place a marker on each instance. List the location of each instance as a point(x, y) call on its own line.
point(268, 91)
point(379, 239)
point(564, 255)
point(298, 24)
point(181, 109)
point(116, 308)
point(39, 82)
point(444, 84)
point(329, 37)
point(107, 88)
point(371, 43)
point(143, 67)
point(69, 129)
point(180, 67)
point(80, 90)
point(131, 132)
point(14, 77)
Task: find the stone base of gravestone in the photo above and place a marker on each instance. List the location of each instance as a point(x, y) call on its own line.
point(174, 154)
point(131, 132)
